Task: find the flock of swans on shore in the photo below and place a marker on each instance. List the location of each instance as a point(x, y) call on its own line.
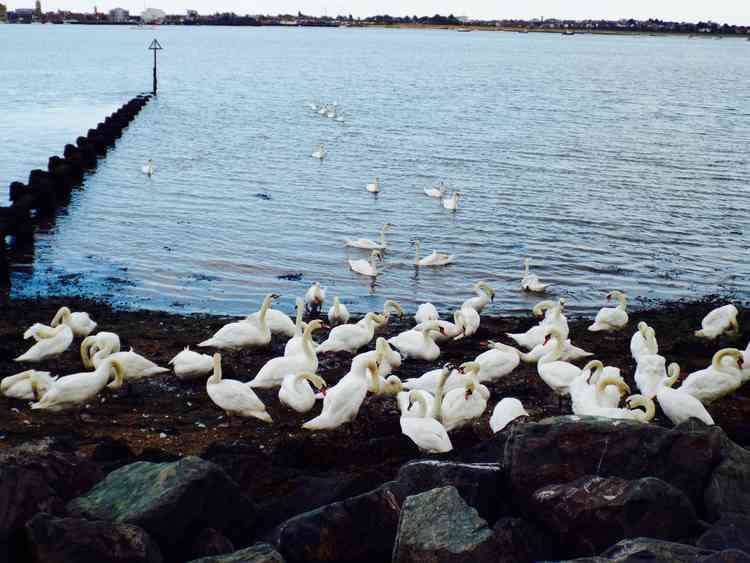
point(431, 405)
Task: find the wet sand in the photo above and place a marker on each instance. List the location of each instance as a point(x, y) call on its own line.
point(165, 418)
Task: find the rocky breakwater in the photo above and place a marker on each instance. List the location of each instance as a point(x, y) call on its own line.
point(564, 488)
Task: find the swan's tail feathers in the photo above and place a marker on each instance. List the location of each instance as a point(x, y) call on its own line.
point(597, 327)
point(515, 337)
point(24, 358)
point(157, 370)
point(314, 424)
point(211, 342)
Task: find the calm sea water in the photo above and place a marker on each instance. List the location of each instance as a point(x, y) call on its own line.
point(613, 162)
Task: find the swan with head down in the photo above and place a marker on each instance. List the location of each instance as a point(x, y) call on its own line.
point(245, 333)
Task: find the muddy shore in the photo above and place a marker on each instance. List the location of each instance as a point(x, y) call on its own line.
point(164, 418)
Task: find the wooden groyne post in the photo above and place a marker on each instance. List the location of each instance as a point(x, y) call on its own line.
point(49, 189)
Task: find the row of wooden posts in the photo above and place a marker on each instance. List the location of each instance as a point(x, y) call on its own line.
point(48, 190)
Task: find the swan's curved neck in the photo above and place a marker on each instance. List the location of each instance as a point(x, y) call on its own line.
point(263, 310)
point(216, 376)
point(720, 355)
point(298, 319)
point(439, 393)
point(622, 300)
point(420, 400)
point(62, 315)
point(308, 341)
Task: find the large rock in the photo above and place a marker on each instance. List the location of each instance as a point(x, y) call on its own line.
point(210, 542)
point(481, 485)
point(729, 488)
point(639, 550)
point(438, 526)
point(39, 477)
point(732, 531)
point(520, 541)
point(171, 501)
point(561, 450)
point(361, 528)
point(72, 540)
point(592, 513)
point(258, 553)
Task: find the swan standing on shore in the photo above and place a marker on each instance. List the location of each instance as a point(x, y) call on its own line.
point(366, 267)
point(28, 385)
point(369, 244)
point(451, 203)
point(418, 342)
point(374, 187)
point(80, 323)
point(189, 365)
point(717, 380)
point(294, 344)
point(278, 322)
point(719, 321)
point(234, 397)
point(678, 405)
point(319, 153)
point(505, 412)
point(426, 312)
point(342, 401)
point(51, 342)
point(351, 337)
point(77, 389)
point(530, 282)
point(485, 294)
point(247, 333)
point(338, 314)
point(296, 393)
point(148, 168)
point(434, 259)
point(558, 375)
point(315, 297)
point(427, 433)
point(610, 319)
point(273, 372)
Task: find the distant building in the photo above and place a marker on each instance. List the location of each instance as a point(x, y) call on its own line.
point(119, 15)
point(3, 14)
point(153, 15)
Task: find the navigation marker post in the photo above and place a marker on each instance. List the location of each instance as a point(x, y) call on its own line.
point(155, 46)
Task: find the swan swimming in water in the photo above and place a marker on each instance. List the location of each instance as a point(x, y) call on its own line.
point(451, 203)
point(719, 321)
point(319, 153)
point(530, 282)
point(374, 187)
point(148, 168)
point(369, 244)
point(80, 323)
point(367, 267)
point(610, 319)
point(234, 397)
point(434, 259)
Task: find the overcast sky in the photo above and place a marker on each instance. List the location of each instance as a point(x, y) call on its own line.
point(724, 11)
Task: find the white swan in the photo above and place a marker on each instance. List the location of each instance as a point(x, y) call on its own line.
point(273, 372)
point(296, 393)
point(631, 412)
point(245, 333)
point(485, 294)
point(434, 259)
point(102, 344)
point(234, 397)
point(28, 385)
point(342, 401)
point(418, 343)
point(505, 412)
point(319, 153)
point(134, 366)
point(374, 187)
point(189, 365)
point(431, 380)
point(650, 372)
point(148, 168)
point(451, 203)
point(77, 389)
point(461, 406)
point(717, 380)
point(391, 306)
point(51, 342)
point(426, 312)
point(426, 432)
point(611, 393)
point(451, 330)
point(369, 244)
point(605, 391)
point(387, 387)
point(351, 337)
point(609, 319)
point(338, 314)
point(558, 375)
point(530, 282)
point(387, 359)
point(570, 352)
point(436, 192)
point(552, 317)
point(719, 321)
point(678, 405)
point(80, 323)
point(315, 296)
point(366, 267)
point(294, 344)
point(640, 343)
point(278, 322)
point(497, 362)
point(470, 321)
point(409, 408)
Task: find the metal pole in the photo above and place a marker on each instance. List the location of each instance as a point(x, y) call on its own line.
point(154, 72)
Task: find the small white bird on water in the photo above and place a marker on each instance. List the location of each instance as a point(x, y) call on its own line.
point(374, 187)
point(434, 259)
point(148, 168)
point(451, 203)
point(367, 267)
point(530, 282)
point(319, 153)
